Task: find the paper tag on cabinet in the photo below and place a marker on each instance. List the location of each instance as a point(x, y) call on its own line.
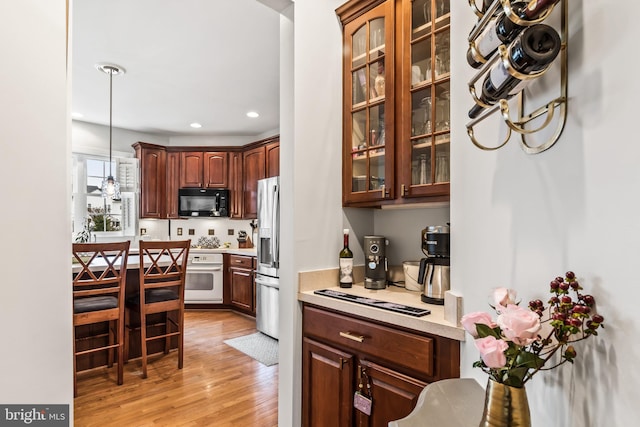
point(362, 403)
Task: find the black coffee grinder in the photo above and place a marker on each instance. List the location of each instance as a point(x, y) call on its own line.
point(375, 262)
point(435, 268)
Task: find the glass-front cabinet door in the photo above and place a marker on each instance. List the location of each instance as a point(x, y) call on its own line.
point(425, 135)
point(368, 145)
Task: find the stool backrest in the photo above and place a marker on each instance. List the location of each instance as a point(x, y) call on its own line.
point(163, 264)
point(102, 269)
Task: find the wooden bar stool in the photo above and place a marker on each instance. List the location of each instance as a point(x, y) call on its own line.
point(163, 266)
point(98, 296)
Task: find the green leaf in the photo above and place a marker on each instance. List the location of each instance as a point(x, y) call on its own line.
point(529, 360)
point(486, 331)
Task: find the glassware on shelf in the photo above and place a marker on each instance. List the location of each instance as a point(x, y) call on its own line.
point(425, 106)
point(423, 169)
point(442, 111)
point(426, 11)
point(442, 165)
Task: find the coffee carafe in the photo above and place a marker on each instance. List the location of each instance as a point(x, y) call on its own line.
point(434, 269)
point(375, 262)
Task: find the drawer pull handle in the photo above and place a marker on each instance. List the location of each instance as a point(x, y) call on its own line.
point(353, 337)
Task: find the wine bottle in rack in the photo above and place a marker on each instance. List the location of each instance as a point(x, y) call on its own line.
point(502, 30)
point(534, 49)
point(346, 263)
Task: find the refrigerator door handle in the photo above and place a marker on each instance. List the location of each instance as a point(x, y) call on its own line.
point(275, 227)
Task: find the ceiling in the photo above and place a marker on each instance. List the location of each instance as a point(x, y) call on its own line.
point(204, 61)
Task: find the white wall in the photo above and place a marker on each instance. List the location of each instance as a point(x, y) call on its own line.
point(517, 220)
point(289, 381)
point(89, 138)
point(35, 305)
point(520, 220)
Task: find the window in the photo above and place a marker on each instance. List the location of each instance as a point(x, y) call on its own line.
point(94, 215)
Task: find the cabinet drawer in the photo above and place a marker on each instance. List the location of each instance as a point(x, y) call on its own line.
point(398, 347)
point(241, 261)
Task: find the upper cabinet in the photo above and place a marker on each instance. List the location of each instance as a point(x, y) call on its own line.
point(153, 173)
point(396, 101)
point(369, 103)
point(173, 184)
point(236, 190)
point(165, 170)
point(425, 132)
point(253, 165)
point(272, 158)
point(259, 160)
point(203, 169)
point(215, 173)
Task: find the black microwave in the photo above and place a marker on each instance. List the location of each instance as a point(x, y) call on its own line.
point(203, 202)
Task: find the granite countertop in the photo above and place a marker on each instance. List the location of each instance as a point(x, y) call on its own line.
point(435, 323)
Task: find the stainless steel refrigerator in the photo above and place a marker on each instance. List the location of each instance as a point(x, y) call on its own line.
point(268, 243)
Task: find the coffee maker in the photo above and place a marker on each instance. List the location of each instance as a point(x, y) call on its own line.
point(375, 262)
point(434, 269)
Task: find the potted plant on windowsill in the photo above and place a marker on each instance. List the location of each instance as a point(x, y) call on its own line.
point(523, 341)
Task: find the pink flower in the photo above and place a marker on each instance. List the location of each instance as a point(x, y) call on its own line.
point(492, 351)
point(503, 297)
point(469, 321)
point(519, 325)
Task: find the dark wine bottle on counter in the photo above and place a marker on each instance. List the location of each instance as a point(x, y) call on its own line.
point(533, 50)
point(346, 263)
point(502, 30)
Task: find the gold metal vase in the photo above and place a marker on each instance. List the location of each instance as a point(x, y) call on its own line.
point(505, 406)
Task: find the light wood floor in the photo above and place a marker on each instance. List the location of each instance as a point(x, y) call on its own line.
point(218, 386)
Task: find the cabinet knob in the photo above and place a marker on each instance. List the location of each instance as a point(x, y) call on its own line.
point(352, 336)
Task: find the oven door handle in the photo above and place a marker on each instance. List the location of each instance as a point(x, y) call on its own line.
point(200, 269)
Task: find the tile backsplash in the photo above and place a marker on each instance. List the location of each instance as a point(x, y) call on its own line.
point(194, 228)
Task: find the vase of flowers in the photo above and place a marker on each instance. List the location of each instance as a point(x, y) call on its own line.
point(523, 341)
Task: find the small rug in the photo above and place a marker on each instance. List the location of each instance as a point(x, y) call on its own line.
point(261, 347)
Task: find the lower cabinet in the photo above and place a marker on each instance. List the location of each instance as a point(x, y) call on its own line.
point(343, 354)
point(241, 283)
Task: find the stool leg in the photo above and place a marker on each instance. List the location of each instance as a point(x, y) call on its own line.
point(143, 341)
point(120, 351)
point(110, 325)
point(181, 337)
point(75, 374)
point(127, 327)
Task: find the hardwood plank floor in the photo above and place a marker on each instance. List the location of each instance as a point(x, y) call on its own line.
point(218, 386)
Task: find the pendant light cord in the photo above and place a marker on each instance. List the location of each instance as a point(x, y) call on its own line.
point(110, 118)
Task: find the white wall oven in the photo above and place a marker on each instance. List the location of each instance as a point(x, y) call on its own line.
point(203, 283)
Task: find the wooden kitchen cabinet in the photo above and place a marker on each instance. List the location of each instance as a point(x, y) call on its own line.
point(396, 139)
point(242, 283)
point(258, 158)
point(153, 172)
point(173, 184)
point(164, 170)
point(341, 351)
point(272, 159)
point(215, 170)
point(191, 169)
point(253, 165)
point(206, 169)
point(236, 189)
point(327, 377)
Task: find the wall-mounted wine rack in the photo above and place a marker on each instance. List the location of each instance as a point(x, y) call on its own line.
point(550, 109)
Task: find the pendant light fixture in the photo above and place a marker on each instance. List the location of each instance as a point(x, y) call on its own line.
point(110, 187)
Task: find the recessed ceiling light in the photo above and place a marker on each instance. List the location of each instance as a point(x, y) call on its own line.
point(196, 125)
point(77, 115)
point(253, 114)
